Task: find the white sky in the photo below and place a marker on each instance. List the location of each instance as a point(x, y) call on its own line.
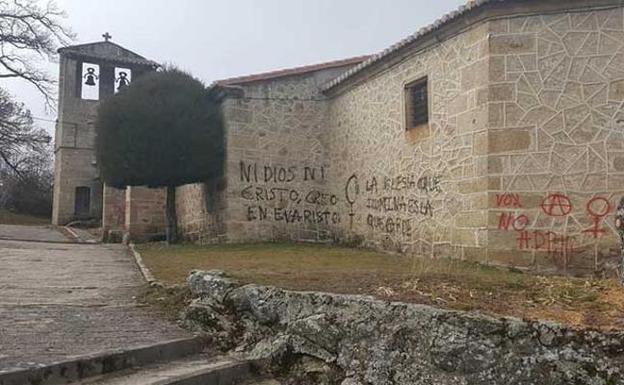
point(218, 39)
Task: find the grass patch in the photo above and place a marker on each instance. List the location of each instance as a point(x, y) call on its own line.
point(170, 301)
point(442, 282)
point(11, 218)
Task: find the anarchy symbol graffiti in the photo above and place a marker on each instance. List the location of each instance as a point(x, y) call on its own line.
point(556, 205)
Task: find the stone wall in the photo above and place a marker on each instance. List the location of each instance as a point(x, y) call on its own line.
point(113, 213)
point(276, 169)
point(136, 211)
point(521, 162)
point(556, 146)
point(423, 190)
point(323, 339)
point(145, 213)
point(201, 209)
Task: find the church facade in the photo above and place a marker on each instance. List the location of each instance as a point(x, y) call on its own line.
point(494, 135)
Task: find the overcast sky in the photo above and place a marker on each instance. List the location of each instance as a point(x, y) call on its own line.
point(219, 39)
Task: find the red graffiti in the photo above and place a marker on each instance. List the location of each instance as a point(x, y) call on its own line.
point(597, 208)
point(508, 200)
point(553, 243)
point(518, 223)
point(557, 205)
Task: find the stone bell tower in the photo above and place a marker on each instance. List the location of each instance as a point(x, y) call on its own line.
point(88, 73)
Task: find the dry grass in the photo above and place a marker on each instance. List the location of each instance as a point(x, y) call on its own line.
point(442, 282)
point(10, 218)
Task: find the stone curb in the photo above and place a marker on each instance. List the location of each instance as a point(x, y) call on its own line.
point(96, 364)
point(145, 271)
point(77, 237)
point(72, 233)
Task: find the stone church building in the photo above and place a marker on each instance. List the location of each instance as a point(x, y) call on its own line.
point(495, 135)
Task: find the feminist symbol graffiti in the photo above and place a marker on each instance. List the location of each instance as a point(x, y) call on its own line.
point(597, 208)
point(352, 189)
point(556, 205)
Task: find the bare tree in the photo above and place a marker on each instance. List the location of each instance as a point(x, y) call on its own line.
point(20, 139)
point(25, 154)
point(30, 191)
point(30, 32)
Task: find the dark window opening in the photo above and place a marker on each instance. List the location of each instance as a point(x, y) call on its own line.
point(82, 204)
point(416, 103)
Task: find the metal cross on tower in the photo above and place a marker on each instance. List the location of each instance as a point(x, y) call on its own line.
point(107, 36)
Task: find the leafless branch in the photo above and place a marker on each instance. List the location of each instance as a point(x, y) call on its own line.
point(20, 139)
point(30, 32)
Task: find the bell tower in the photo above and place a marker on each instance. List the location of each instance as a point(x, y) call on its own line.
point(88, 73)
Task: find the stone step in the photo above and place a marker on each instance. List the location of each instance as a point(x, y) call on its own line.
point(193, 370)
point(105, 363)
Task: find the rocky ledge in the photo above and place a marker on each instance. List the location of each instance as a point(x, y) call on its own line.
point(321, 338)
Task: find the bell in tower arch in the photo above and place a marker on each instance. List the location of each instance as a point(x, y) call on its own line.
point(123, 77)
point(91, 76)
point(90, 81)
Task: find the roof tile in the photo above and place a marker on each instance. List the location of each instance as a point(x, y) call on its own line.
point(290, 71)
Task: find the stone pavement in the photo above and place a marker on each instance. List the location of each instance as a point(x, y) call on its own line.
point(34, 233)
point(59, 301)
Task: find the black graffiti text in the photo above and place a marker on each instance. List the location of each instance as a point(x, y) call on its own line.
point(254, 173)
point(292, 215)
point(390, 225)
point(281, 194)
point(401, 204)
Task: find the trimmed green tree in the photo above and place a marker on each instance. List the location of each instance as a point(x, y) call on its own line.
point(164, 130)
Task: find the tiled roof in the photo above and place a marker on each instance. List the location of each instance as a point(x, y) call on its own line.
point(449, 17)
point(290, 71)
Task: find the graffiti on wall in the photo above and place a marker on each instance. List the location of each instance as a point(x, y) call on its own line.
point(391, 204)
point(555, 205)
point(508, 200)
point(275, 193)
point(597, 208)
point(352, 190)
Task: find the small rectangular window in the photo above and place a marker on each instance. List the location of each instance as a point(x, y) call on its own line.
point(416, 104)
